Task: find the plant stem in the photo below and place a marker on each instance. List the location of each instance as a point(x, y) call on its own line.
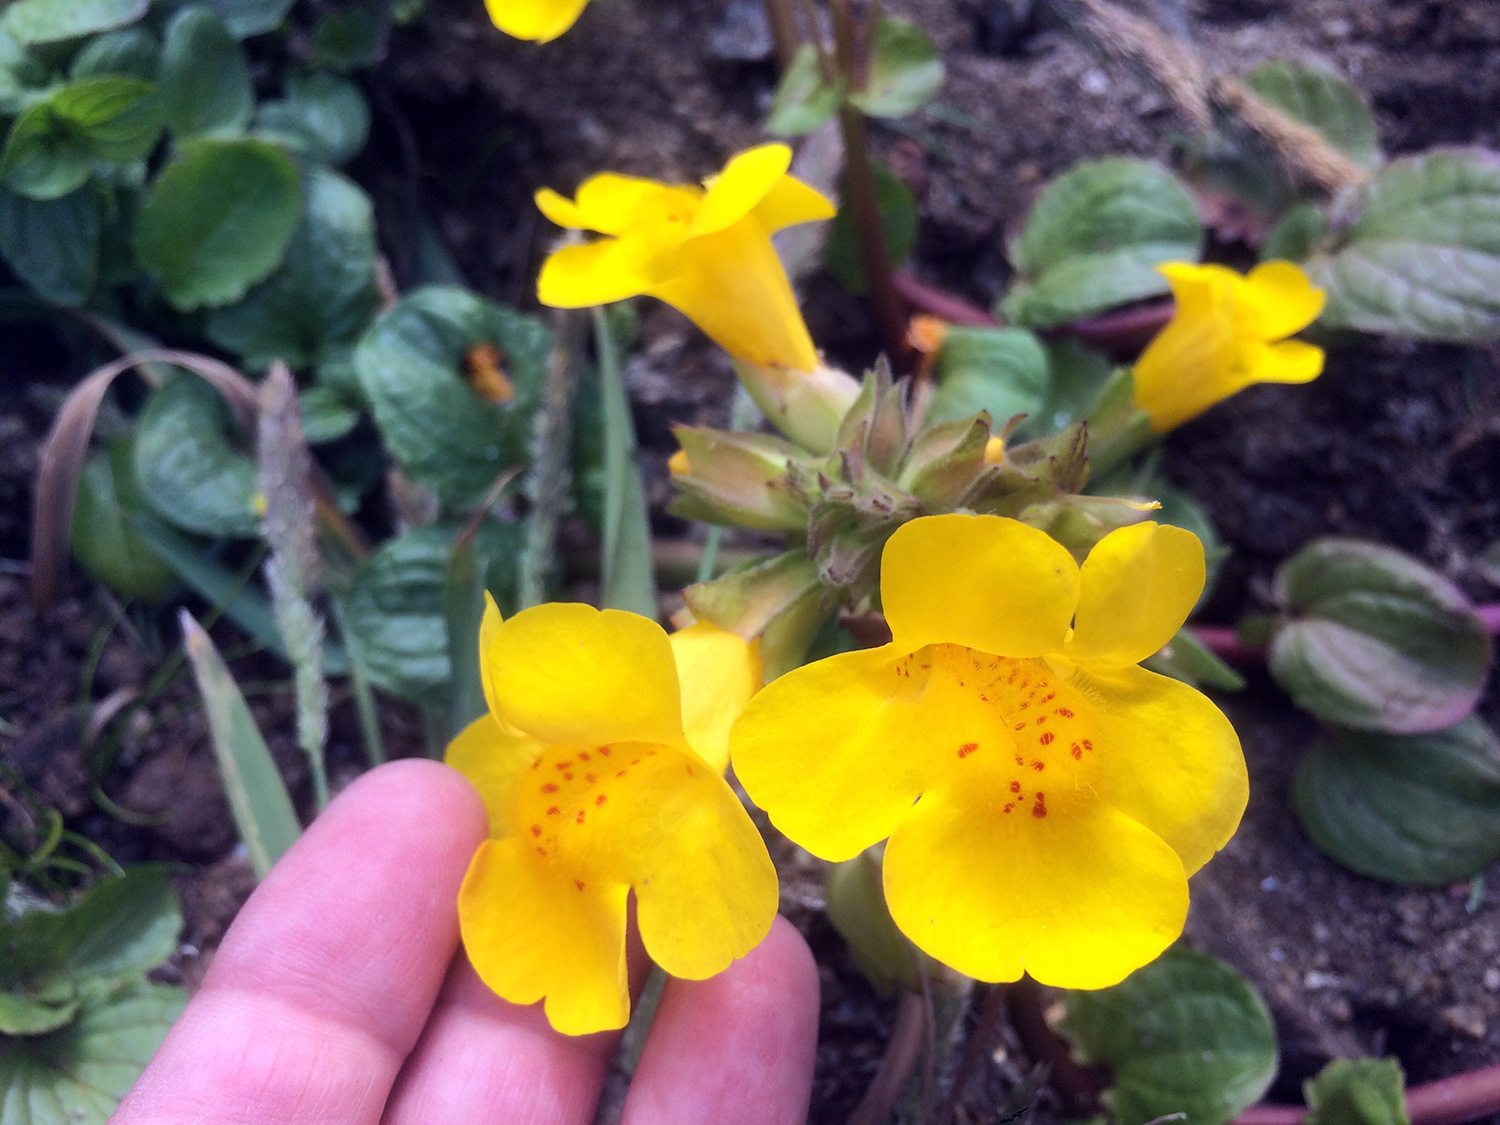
point(1449, 1101)
point(547, 485)
point(1225, 642)
point(784, 35)
point(908, 1034)
point(989, 1017)
point(1079, 1086)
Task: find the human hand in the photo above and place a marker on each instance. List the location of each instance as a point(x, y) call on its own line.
point(337, 997)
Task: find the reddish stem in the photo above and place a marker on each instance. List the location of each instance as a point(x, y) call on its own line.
point(1123, 332)
point(945, 306)
point(1490, 615)
point(1450, 1101)
point(1225, 642)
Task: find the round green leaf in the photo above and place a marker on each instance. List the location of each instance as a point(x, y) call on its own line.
point(205, 78)
point(53, 245)
point(324, 115)
point(52, 146)
point(186, 465)
point(217, 220)
point(51, 21)
point(104, 540)
point(412, 365)
point(1094, 238)
point(905, 71)
point(322, 296)
point(1419, 809)
point(351, 38)
point(1357, 1092)
point(1000, 370)
point(1375, 640)
point(1422, 258)
point(245, 18)
point(804, 98)
point(131, 51)
point(1320, 99)
point(1186, 1034)
point(898, 221)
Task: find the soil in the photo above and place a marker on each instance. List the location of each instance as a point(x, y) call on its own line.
point(1396, 442)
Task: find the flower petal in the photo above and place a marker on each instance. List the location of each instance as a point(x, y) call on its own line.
point(705, 886)
point(579, 277)
point(1191, 363)
point(790, 202)
point(1136, 588)
point(1078, 898)
point(734, 192)
point(985, 582)
point(836, 751)
point(1167, 757)
point(489, 626)
point(560, 209)
point(614, 204)
point(494, 760)
point(531, 931)
point(1274, 300)
point(566, 673)
point(718, 672)
point(538, 20)
point(1290, 361)
point(732, 286)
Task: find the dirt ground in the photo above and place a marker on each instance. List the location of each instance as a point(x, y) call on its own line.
point(1396, 442)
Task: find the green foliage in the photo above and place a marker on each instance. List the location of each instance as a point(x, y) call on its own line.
point(245, 18)
point(898, 221)
point(322, 115)
point(51, 21)
point(53, 145)
point(77, 1019)
point(1186, 1034)
point(53, 244)
point(257, 796)
point(131, 51)
point(999, 370)
point(104, 539)
point(1375, 640)
point(1188, 659)
point(905, 71)
point(350, 38)
point(1421, 256)
point(1323, 101)
point(626, 567)
point(804, 98)
point(217, 220)
point(1094, 238)
point(312, 310)
point(1413, 809)
point(187, 465)
point(412, 364)
point(1357, 1092)
point(855, 901)
point(205, 77)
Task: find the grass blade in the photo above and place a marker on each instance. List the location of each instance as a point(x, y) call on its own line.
point(628, 580)
point(257, 795)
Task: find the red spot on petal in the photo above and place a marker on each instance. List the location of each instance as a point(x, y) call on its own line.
point(691, 772)
point(604, 750)
point(583, 755)
point(599, 800)
point(1038, 766)
point(579, 818)
point(541, 851)
point(1064, 712)
point(1049, 697)
point(622, 773)
point(568, 776)
point(1087, 745)
point(967, 748)
point(1077, 752)
point(1007, 808)
point(1020, 761)
point(1046, 739)
point(578, 883)
point(563, 765)
point(536, 765)
point(1015, 786)
point(549, 788)
point(536, 829)
point(554, 811)
point(1039, 806)
point(590, 778)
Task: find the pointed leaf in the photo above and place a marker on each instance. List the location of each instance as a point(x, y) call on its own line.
point(1357, 1092)
point(804, 98)
point(103, 539)
point(905, 70)
point(205, 77)
point(188, 467)
point(1318, 98)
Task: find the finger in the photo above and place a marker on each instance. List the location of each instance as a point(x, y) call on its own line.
point(736, 1049)
point(482, 1058)
point(325, 980)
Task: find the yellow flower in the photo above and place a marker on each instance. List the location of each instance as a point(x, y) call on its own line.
point(601, 765)
point(706, 252)
point(1227, 333)
point(541, 20)
point(1045, 798)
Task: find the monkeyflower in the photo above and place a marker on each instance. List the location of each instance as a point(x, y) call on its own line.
point(601, 766)
point(707, 252)
point(1228, 332)
point(539, 20)
point(1044, 797)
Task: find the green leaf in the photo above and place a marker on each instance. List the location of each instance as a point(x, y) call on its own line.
point(52, 146)
point(1186, 658)
point(131, 51)
point(905, 71)
point(463, 598)
point(898, 220)
point(322, 296)
point(804, 98)
point(1094, 238)
point(1375, 640)
point(855, 903)
point(205, 77)
point(1295, 234)
point(1000, 370)
point(326, 415)
point(1422, 258)
point(40, 1010)
point(1417, 809)
point(104, 540)
point(322, 114)
point(626, 565)
point(217, 220)
point(349, 39)
point(245, 18)
point(1357, 1092)
point(76, 1074)
point(53, 245)
point(1186, 1034)
point(257, 795)
point(51, 21)
point(188, 469)
point(1323, 101)
point(411, 365)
